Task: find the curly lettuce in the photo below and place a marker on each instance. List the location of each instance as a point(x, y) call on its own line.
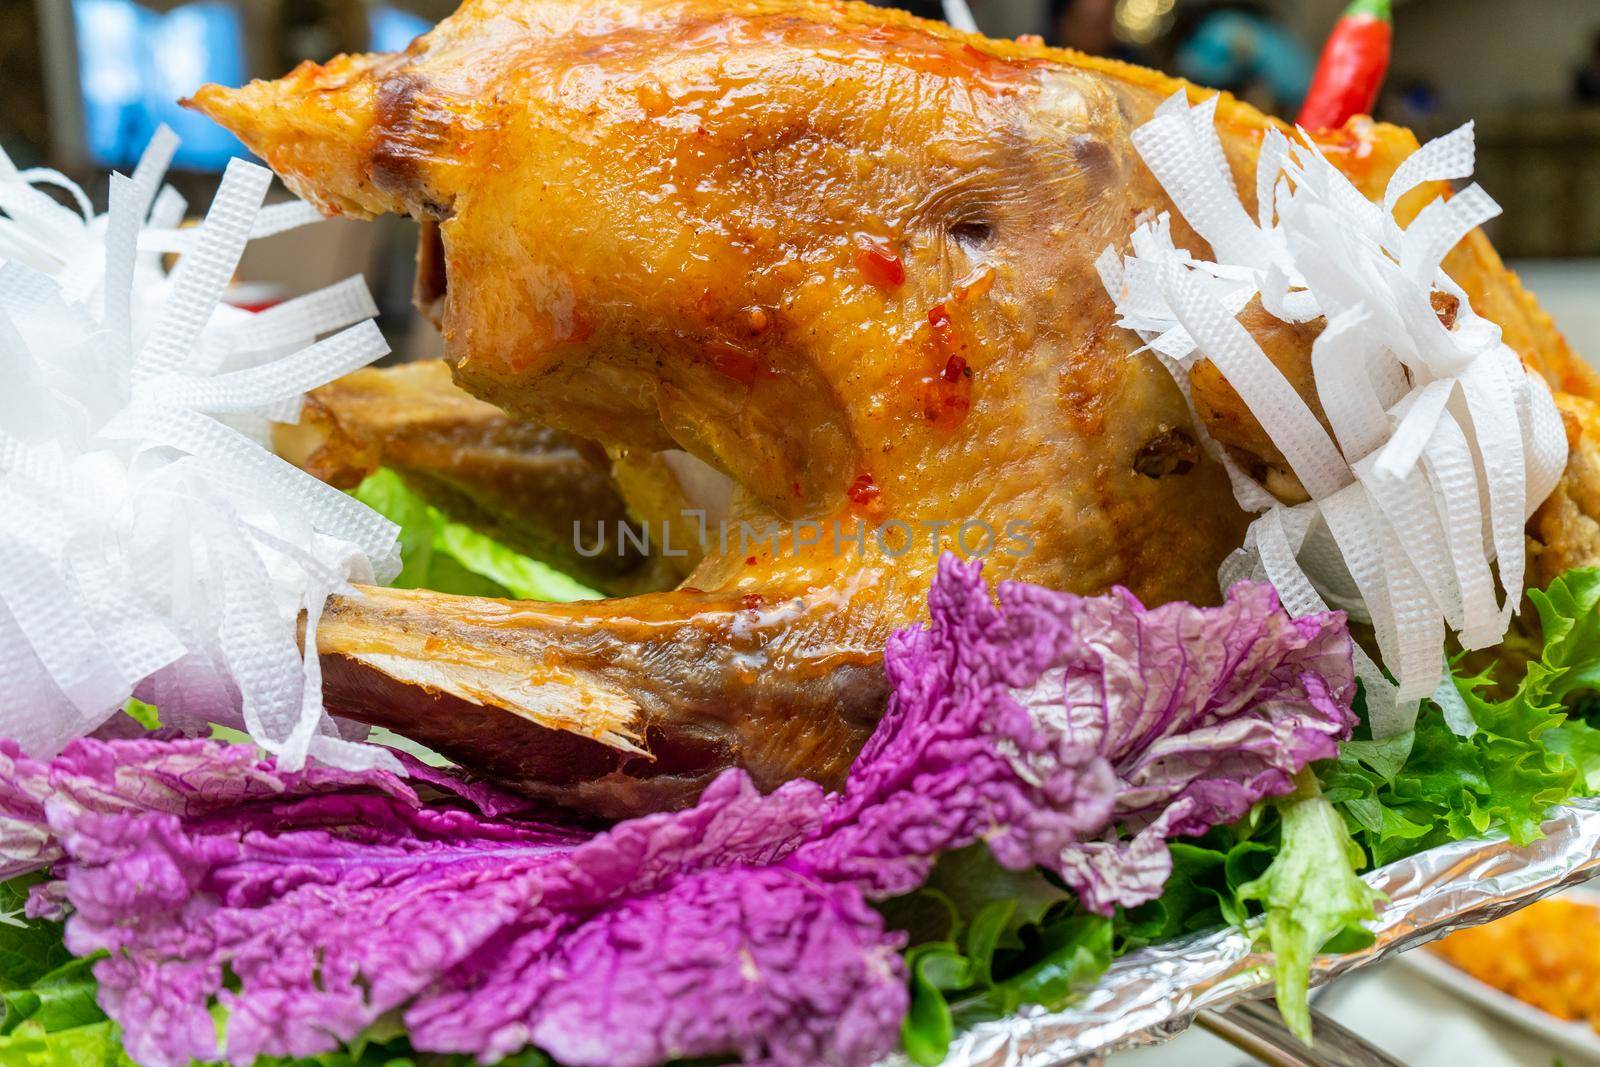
point(1521, 754)
point(1524, 749)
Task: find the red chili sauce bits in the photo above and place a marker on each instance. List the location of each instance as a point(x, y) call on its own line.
point(945, 393)
point(879, 263)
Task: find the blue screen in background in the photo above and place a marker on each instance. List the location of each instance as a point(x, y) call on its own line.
point(135, 64)
point(393, 30)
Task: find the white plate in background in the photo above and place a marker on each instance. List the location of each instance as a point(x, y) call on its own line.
point(1577, 1037)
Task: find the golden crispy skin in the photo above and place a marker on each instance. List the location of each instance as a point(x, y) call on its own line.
point(842, 255)
point(1565, 531)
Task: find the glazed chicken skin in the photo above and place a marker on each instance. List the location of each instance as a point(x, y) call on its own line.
point(844, 257)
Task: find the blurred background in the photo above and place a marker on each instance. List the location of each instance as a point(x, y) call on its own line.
point(85, 82)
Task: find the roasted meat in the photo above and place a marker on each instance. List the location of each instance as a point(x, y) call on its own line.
point(523, 484)
point(842, 256)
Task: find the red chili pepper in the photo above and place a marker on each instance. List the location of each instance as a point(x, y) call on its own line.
point(1354, 64)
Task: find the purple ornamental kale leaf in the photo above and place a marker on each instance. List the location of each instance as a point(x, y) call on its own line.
point(333, 896)
point(1046, 726)
point(1049, 725)
point(1199, 713)
point(737, 953)
point(667, 936)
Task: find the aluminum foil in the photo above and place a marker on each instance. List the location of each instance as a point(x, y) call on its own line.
point(1153, 994)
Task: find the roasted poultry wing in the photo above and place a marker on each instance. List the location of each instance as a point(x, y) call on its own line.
point(844, 257)
point(523, 484)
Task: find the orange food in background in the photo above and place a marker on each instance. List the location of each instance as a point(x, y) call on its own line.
point(1547, 955)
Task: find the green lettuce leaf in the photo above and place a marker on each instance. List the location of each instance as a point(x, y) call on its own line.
point(1311, 894)
point(47, 996)
point(986, 941)
point(145, 715)
point(62, 999)
point(29, 949)
point(449, 557)
point(1526, 752)
point(1571, 627)
point(93, 1045)
point(1204, 889)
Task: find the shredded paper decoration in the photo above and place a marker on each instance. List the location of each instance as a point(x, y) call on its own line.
point(1442, 445)
point(153, 545)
